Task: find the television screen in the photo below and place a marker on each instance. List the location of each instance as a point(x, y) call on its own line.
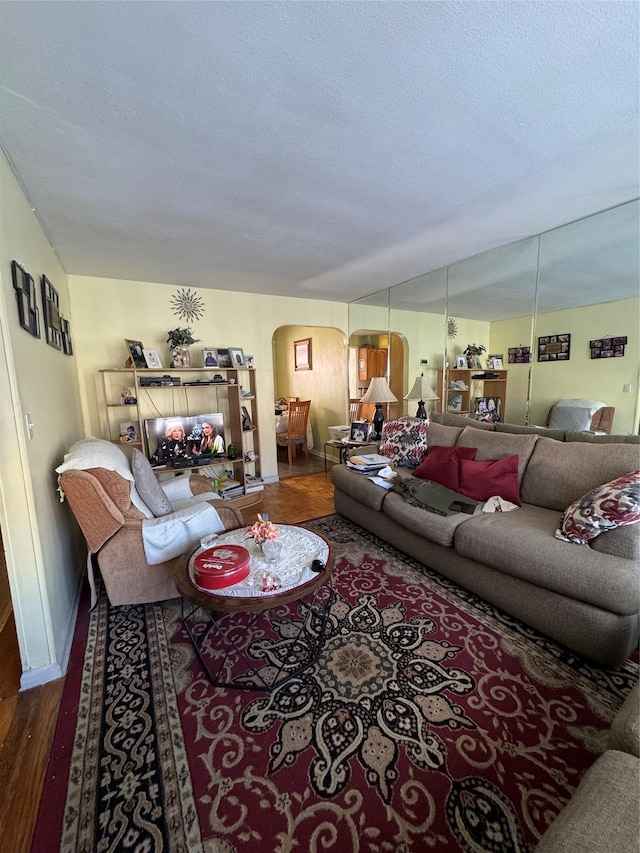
point(193, 435)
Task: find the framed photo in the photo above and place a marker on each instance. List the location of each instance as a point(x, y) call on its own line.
point(129, 431)
point(461, 362)
point(136, 354)
point(25, 290)
point(65, 328)
point(494, 362)
point(51, 306)
point(555, 347)
point(209, 357)
point(360, 431)
point(237, 357)
point(152, 359)
point(248, 361)
point(302, 354)
point(519, 355)
point(224, 358)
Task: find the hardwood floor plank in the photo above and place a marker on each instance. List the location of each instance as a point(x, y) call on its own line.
point(23, 762)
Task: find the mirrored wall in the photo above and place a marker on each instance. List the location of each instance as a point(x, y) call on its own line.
point(560, 309)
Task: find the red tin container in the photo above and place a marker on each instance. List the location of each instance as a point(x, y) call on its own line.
point(220, 566)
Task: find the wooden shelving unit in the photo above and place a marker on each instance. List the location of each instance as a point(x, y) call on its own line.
point(153, 401)
point(463, 401)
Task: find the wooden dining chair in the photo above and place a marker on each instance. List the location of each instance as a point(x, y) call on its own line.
point(353, 410)
point(296, 434)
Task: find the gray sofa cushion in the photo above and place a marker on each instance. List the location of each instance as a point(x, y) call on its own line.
point(560, 473)
point(444, 436)
point(522, 544)
point(497, 445)
point(602, 816)
point(621, 542)
point(358, 486)
point(516, 429)
point(432, 527)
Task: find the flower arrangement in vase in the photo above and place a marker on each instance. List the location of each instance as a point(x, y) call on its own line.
point(262, 530)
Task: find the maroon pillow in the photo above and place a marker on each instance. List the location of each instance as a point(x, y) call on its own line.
point(442, 465)
point(483, 480)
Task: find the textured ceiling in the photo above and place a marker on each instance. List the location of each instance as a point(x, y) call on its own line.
point(313, 149)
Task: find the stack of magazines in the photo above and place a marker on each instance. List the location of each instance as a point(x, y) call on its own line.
point(367, 463)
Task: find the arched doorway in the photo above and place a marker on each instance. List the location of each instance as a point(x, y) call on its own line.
point(324, 383)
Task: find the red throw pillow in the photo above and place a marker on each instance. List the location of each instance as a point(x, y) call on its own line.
point(442, 465)
point(483, 480)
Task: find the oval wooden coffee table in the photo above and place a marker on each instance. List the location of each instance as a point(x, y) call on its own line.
point(270, 636)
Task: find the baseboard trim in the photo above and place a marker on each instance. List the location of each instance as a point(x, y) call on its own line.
point(50, 672)
point(40, 675)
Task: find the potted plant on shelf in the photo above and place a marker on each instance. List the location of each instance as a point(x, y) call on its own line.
point(472, 353)
point(179, 340)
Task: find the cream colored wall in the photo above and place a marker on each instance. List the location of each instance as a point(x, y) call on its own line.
point(106, 311)
point(43, 545)
point(325, 385)
point(582, 376)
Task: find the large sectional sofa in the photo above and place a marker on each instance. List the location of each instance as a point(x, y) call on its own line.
point(586, 597)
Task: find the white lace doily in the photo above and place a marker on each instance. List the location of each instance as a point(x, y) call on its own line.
point(299, 548)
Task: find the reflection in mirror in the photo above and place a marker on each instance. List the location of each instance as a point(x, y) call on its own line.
point(588, 287)
point(369, 350)
point(416, 315)
point(492, 299)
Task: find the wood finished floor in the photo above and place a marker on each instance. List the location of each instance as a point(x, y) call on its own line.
point(28, 719)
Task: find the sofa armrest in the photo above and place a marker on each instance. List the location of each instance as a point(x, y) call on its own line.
point(374, 447)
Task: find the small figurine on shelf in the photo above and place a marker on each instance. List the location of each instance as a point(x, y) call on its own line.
point(126, 398)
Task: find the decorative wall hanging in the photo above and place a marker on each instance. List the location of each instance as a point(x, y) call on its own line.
point(51, 309)
point(187, 305)
point(25, 291)
point(519, 355)
point(302, 354)
point(608, 347)
point(452, 328)
point(554, 347)
point(65, 329)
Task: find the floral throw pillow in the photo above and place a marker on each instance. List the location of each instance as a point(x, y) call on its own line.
point(404, 442)
point(612, 505)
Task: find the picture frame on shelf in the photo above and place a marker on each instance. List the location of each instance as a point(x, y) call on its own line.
point(302, 354)
point(360, 431)
point(487, 409)
point(51, 308)
point(494, 362)
point(136, 354)
point(25, 290)
point(224, 358)
point(237, 357)
point(152, 359)
point(461, 362)
point(129, 431)
point(248, 361)
point(210, 357)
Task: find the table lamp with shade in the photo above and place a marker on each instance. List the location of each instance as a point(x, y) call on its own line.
point(421, 391)
point(378, 392)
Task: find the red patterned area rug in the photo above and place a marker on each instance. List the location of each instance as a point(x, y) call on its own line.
point(430, 722)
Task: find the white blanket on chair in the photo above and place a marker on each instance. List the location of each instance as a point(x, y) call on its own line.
point(169, 536)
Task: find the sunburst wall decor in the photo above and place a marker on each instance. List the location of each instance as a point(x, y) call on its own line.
point(452, 328)
point(187, 305)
